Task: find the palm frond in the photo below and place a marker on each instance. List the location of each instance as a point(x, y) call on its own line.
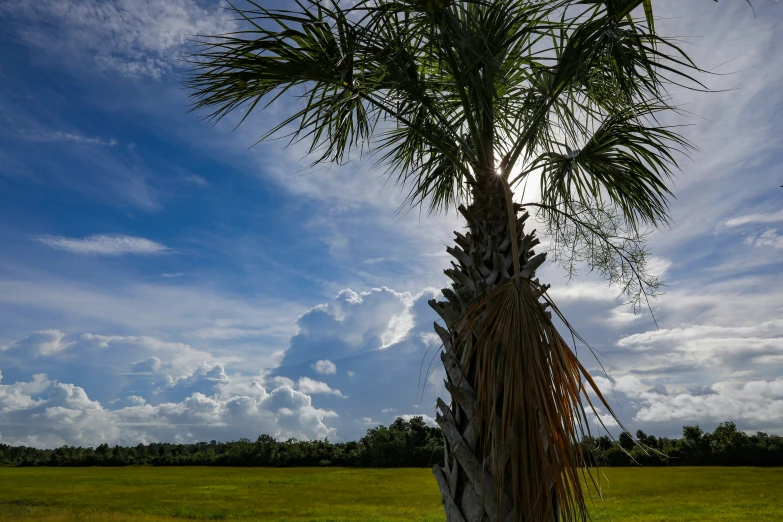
point(625, 158)
point(314, 47)
point(605, 62)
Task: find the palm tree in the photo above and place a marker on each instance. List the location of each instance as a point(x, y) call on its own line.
point(462, 100)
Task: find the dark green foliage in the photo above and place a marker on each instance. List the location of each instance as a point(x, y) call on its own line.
point(726, 446)
point(408, 444)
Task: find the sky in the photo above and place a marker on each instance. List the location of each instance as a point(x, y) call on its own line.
point(162, 279)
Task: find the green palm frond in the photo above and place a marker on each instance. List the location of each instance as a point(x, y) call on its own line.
point(601, 62)
point(625, 158)
point(310, 47)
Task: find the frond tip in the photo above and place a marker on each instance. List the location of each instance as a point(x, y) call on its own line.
point(530, 400)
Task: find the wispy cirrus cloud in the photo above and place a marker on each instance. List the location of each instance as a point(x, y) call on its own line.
point(104, 245)
point(72, 137)
point(769, 238)
point(764, 217)
point(137, 38)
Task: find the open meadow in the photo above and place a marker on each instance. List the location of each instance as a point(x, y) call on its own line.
point(147, 494)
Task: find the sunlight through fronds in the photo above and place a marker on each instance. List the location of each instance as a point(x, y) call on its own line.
point(440, 89)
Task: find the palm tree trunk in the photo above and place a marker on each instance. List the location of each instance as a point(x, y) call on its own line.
point(483, 261)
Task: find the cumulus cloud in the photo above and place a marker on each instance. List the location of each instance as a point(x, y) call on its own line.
point(377, 339)
point(601, 421)
point(754, 403)
point(43, 343)
point(709, 346)
point(132, 37)
point(44, 413)
point(430, 421)
point(313, 387)
point(104, 245)
point(353, 323)
point(324, 367)
point(136, 400)
point(115, 367)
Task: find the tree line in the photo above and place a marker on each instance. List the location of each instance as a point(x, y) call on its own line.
point(409, 443)
point(726, 446)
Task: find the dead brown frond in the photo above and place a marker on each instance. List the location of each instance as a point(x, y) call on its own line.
point(530, 414)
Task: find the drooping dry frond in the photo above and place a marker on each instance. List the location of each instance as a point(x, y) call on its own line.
point(530, 398)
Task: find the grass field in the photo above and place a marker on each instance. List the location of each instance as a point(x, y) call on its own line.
point(338, 494)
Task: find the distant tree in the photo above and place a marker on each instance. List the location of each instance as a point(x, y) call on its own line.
point(626, 441)
point(692, 434)
point(728, 444)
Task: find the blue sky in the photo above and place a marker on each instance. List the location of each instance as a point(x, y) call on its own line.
point(161, 279)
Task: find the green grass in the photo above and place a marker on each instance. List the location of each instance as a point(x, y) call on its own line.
point(337, 494)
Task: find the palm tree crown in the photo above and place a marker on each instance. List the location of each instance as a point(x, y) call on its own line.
point(470, 88)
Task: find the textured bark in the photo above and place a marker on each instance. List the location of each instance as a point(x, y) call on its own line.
point(482, 261)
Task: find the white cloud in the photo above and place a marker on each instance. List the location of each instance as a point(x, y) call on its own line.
point(705, 348)
point(430, 421)
point(199, 315)
point(602, 420)
point(768, 359)
point(758, 403)
point(621, 317)
point(743, 373)
point(751, 403)
point(708, 346)
point(136, 400)
point(356, 321)
point(769, 238)
point(658, 266)
point(71, 136)
point(324, 367)
point(104, 245)
point(196, 180)
point(349, 331)
point(147, 354)
point(132, 37)
point(582, 291)
point(399, 326)
point(43, 343)
point(629, 385)
point(313, 387)
point(65, 414)
point(430, 339)
point(765, 217)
